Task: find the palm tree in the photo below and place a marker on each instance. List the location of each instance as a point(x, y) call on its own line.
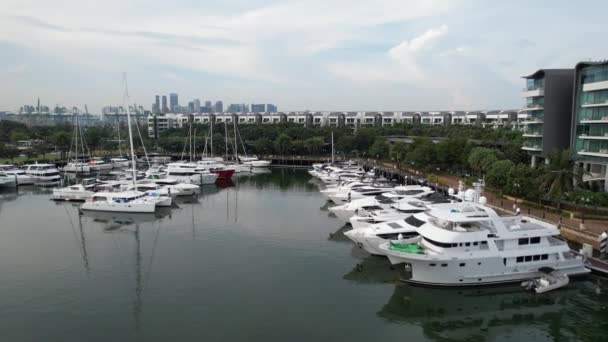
point(560, 176)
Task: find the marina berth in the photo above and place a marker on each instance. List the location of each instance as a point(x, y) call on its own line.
point(464, 244)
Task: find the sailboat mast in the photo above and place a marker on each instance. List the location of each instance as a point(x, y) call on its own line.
point(332, 147)
point(211, 138)
point(226, 137)
point(236, 148)
point(130, 134)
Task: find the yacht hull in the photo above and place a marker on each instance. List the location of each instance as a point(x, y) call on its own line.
point(148, 207)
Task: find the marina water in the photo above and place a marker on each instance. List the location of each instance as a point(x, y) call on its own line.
point(260, 259)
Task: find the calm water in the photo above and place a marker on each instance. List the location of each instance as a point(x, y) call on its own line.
point(258, 261)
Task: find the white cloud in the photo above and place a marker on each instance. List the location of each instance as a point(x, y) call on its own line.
point(400, 63)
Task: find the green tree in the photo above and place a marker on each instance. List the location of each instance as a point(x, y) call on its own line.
point(481, 158)
point(9, 152)
point(399, 152)
point(282, 144)
point(364, 138)
point(496, 176)
point(380, 148)
point(62, 141)
point(314, 145)
point(560, 176)
point(262, 146)
point(18, 135)
point(422, 152)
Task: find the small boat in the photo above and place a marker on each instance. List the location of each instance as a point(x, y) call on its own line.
point(43, 174)
point(22, 177)
point(550, 279)
point(120, 162)
point(8, 181)
point(76, 166)
point(254, 162)
point(98, 164)
point(77, 192)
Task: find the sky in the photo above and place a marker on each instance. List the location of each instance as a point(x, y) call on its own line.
point(327, 55)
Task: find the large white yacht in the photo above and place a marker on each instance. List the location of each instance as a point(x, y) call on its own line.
point(22, 177)
point(76, 192)
point(123, 201)
point(43, 173)
point(254, 161)
point(464, 244)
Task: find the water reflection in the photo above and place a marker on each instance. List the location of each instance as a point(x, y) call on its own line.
point(115, 221)
point(338, 235)
point(474, 314)
point(373, 269)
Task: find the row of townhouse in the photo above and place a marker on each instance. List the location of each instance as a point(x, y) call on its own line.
point(494, 119)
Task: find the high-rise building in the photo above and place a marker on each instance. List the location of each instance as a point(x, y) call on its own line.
point(547, 127)
point(589, 140)
point(258, 108)
point(173, 102)
point(219, 107)
point(197, 106)
point(164, 108)
point(270, 108)
point(156, 107)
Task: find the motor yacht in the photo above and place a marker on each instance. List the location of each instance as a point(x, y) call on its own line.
point(76, 166)
point(43, 174)
point(191, 173)
point(254, 162)
point(22, 177)
point(76, 192)
point(384, 200)
point(370, 238)
point(98, 164)
point(364, 191)
point(467, 243)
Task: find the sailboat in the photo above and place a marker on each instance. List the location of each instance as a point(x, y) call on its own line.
point(130, 201)
point(77, 165)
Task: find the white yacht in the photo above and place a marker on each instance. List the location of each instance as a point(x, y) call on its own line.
point(123, 201)
point(77, 192)
point(364, 191)
point(369, 216)
point(400, 193)
point(43, 174)
point(98, 164)
point(120, 162)
point(76, 166)
point(8, 181)
point(22, 177)
point(191, 173)
point(370, 238)
point(466, 244)
point(182, 189)
point(254, 162)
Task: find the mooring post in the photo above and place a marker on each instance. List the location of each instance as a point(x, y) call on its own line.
point(603, 241)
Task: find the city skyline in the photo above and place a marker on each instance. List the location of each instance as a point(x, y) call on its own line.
point(421, 55)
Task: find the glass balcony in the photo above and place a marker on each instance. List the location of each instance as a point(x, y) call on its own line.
point(592, 114)
point(594, 148)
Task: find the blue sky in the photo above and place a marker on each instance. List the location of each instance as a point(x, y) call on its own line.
point(308, 54)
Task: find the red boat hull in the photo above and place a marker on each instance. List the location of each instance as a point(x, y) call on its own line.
point(223, 174)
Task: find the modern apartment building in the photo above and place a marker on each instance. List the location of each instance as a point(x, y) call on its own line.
point(548, 110)
point(589, 139)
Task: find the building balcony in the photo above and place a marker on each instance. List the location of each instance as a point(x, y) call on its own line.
point(534, 106)
point(602, 153)
point(595, 86)
point(593, 105)
point(538, 92)
point(532, 135)
point(603, 136)
point(532, 148)
point(532, 121)
point(596, 120)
